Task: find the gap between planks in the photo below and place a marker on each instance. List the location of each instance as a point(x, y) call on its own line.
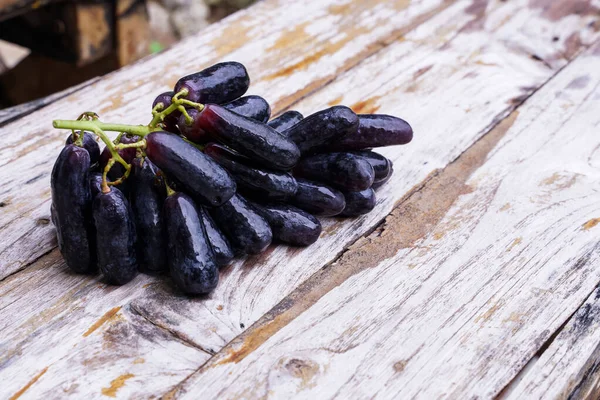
point(412, 218)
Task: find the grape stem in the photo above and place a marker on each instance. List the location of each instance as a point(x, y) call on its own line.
point(137, 130)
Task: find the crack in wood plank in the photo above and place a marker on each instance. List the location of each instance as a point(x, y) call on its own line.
point(171, 332)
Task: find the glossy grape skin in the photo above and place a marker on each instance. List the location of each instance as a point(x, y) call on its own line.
point(374, 130)
point(90, 144)
point(290, 224)
point(254, 182)
point(358, 203)
point(147, 194)
point(218, 242)
point(116, 237)
point(254, 107)
point(72, 208)
point(377, 183)
point(341, 170)
point(246, 230)
point(323, 127)
point(251, 138)
point(381, 165)
point(218, 84)
point(191, 259)
point(285, 121)
point(170, 120)
point(198, 174)
point(318, 199)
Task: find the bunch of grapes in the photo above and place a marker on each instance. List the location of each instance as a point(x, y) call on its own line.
point(209, 178)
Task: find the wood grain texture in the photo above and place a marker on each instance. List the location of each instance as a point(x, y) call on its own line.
point(569, 368)
point(86, 348)
point(271, 37)
point(460, 311)
point(464, 49)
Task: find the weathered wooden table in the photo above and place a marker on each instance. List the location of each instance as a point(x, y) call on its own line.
point(475, 277)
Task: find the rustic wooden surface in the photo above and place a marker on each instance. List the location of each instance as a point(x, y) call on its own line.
point(479, 283)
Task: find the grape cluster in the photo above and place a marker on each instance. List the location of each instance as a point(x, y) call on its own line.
point(211, 177)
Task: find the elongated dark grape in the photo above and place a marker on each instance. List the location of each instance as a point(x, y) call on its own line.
point(375, 130)
point(341, 170)
point(381, 165)
point(201, 177)
point(290, 224)
point(377, 183)
point(90, 144)
point(72, 208)
point(246, 230)
point(147, 195)
point(116, 237)
point(254, 107)
point(323, 127)
point(257, 183)
point(318, 199)
point(285, 121)
point(191, 259)
point(171, 119)
point(247, 136)
point(218, 84)
point(219, 243)
point(358, 203)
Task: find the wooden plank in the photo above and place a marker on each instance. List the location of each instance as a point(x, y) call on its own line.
point(432, 76)
point(464, 282)
point(106, 348)
point(569, 367)
point(249, 289)
point(270, 37)
point(12, 113)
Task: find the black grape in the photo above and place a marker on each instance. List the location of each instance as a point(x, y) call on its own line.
point(246, 230)
point(285, 120)
point(254, 107)
point(198, 174)
point(218, 84)
point(290, 224)
point(318, 199)
point(326, 126)
point(255, 182)
point(342, 170)
point(219, 243)
point(248, 137)
point(374, 130)
point(358, 203)
point(72, 208)
point(191, 259)
point(90, 144)
point(147, 194)
point(381, 165)
point(116, 238)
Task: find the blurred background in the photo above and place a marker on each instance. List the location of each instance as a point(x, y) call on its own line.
point(49, 45)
